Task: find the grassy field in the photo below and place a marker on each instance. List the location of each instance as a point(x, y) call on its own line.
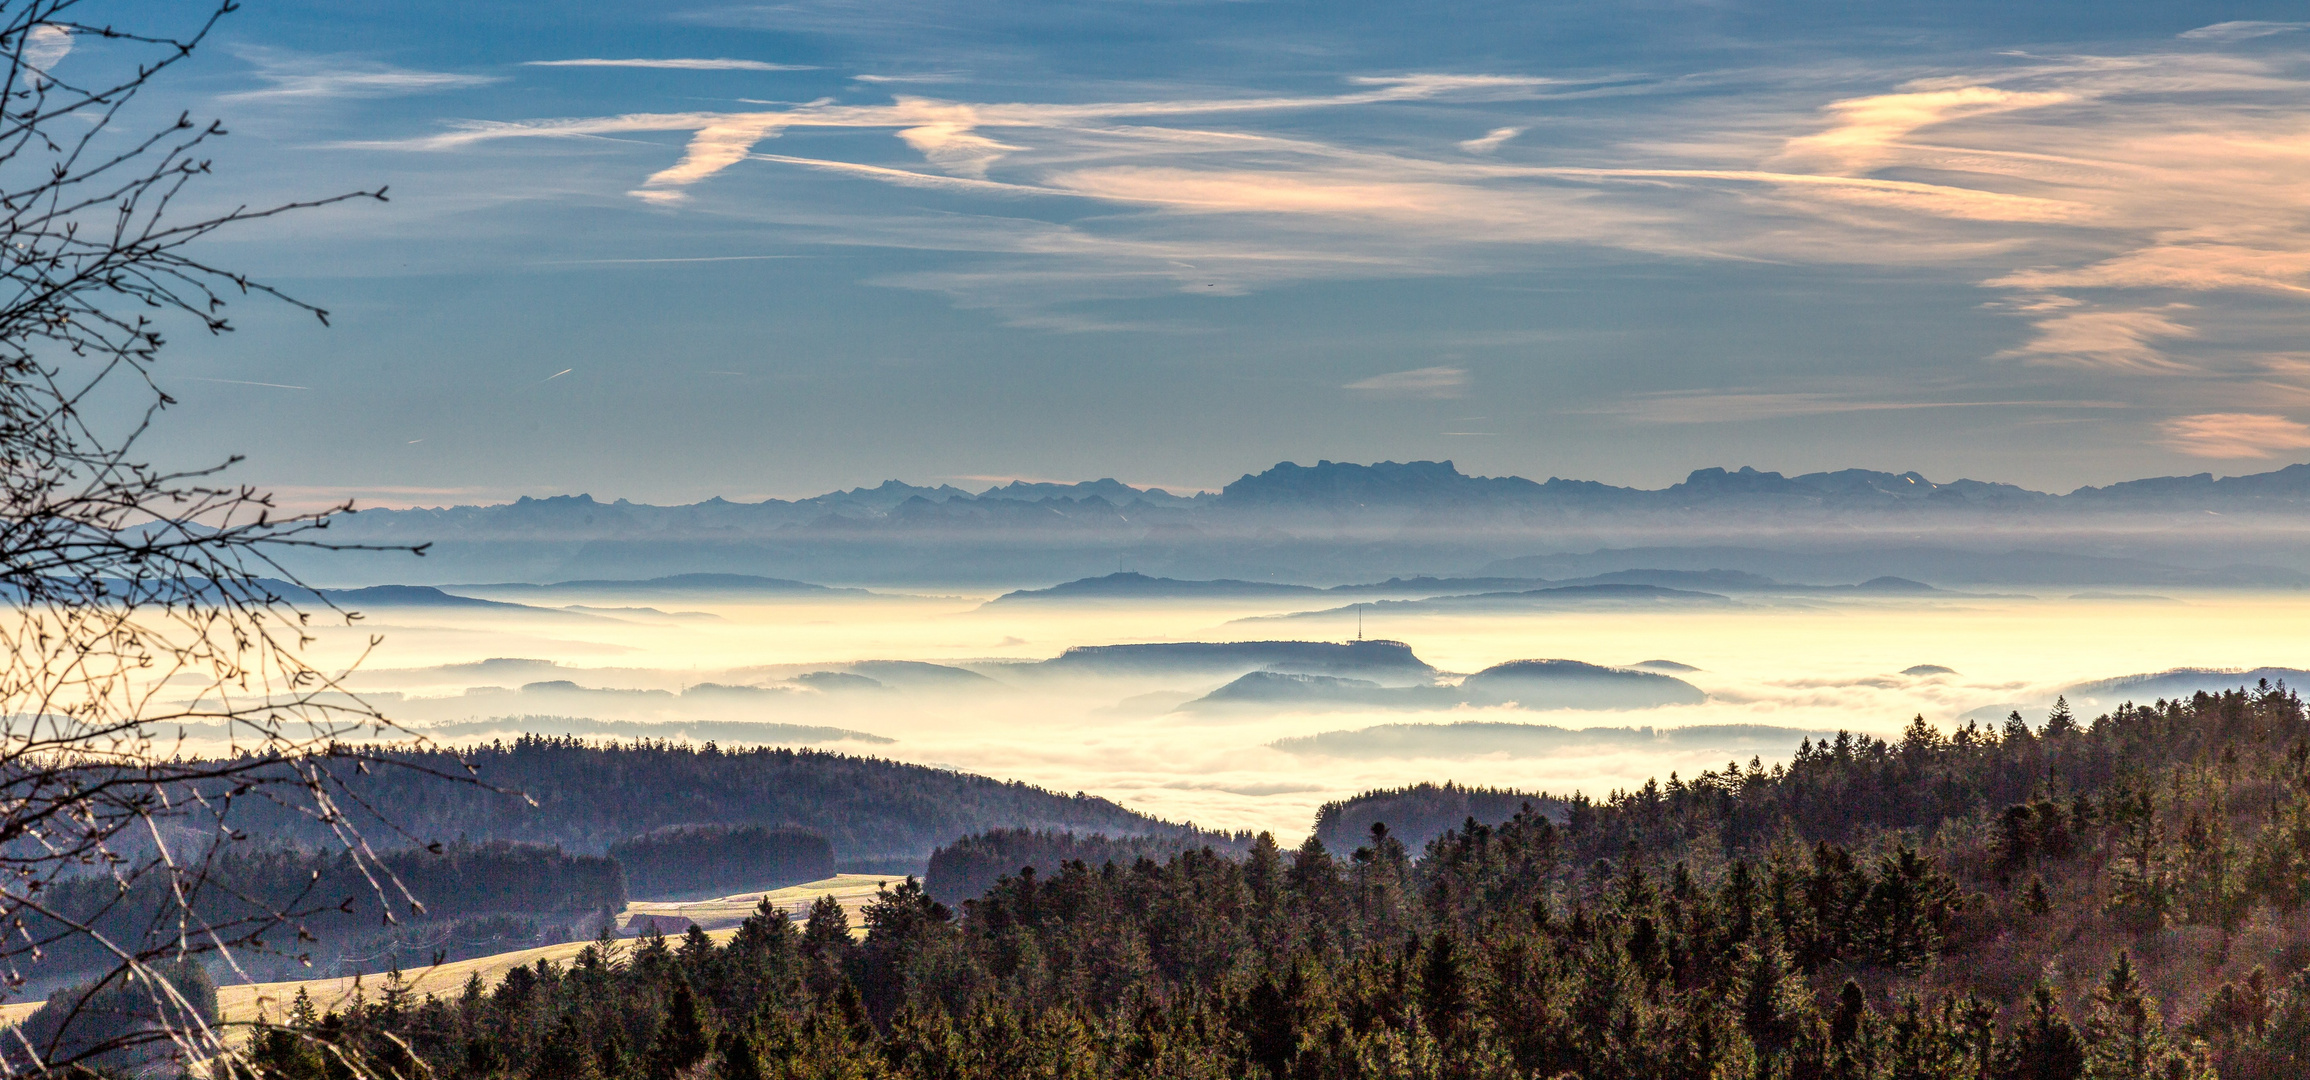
point(718, 917)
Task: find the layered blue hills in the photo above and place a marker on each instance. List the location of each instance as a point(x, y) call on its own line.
point(1341, 522)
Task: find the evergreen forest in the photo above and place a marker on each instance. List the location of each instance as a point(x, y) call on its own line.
point(878, 815)
point(2114, 899)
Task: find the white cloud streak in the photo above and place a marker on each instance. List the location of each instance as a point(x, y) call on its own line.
point(2243, 30)
point(1427, 382)
point(1490, 140)
point(672, 64)
point(314, 78)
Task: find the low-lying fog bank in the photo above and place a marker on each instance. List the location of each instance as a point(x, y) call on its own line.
point(1184, 734)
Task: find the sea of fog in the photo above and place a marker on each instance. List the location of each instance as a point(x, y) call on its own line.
point(706, 666)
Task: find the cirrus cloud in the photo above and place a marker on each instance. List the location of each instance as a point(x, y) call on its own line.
point(2183, 170)
point(1427, 382)
point(292, 77)
point(673, 64)
point(1490, 140)
point(2241, 30)
point(2111, 340)
point(2234, 435)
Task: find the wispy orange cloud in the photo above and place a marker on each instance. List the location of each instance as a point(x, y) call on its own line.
point(2234, 435)
point(2112, 340)
point(2197, 267)
point(1865, 133)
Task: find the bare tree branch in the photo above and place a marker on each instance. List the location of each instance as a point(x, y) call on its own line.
point(138, 598)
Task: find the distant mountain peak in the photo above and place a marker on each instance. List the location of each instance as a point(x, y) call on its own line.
point(1381, 482)
point(1336, 521)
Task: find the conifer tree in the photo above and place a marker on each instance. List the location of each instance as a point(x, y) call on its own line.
point(1772, 997)
point(566, 1052)
point(683, 1040)
point(1444, 988)
point(2125, 1036)
point(2034, 900)
point(1270, 1029)
point(2060, 721)
point(828, 927)
point(741, 1058)
point(1851, 1053)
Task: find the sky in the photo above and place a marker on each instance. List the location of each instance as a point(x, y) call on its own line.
point(669, 251)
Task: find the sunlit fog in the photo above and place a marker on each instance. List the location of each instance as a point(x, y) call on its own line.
point(701, 669)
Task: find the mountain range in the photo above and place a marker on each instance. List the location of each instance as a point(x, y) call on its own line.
point(1335, 521)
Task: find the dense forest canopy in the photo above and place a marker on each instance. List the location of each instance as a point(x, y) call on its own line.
point(407, 907)
point(970, 866)
point(880, 816)
point(2114, 899)
point(711, 860)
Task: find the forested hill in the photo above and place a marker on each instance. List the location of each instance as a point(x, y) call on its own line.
point(1419, 813)
point(2119, 900)
point(880, 815)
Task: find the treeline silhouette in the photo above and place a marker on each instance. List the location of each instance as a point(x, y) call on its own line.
point(681, 860)
point(2120, 899)
point(973, 864)
point(1420, 812)
point(880, 816)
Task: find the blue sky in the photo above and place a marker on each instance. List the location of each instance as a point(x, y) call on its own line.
point(668, 251)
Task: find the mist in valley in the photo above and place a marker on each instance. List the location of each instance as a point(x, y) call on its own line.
point(950, 679)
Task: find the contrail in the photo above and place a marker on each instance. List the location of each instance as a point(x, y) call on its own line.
point(244, 382)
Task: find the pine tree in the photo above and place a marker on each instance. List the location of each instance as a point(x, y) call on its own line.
point(2035, 901)
point(1772, 996)
point(1851, 1054)
point(2125, 1037)
point(1444, 988)
point(1908, 908)
point(1270, 1029)
point(566, 1052)
point(2060, 721)
point(828, 927)
point(683, 1039)
point(741, 1059)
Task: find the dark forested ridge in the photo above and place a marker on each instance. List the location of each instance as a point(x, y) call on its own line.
point(2120, 899)
point(1419, 813)
point(971, 865)
point(716, 860)
point(879, 815)
point(413, 907)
